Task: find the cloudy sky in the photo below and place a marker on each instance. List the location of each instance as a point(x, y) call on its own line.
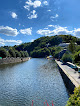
point(26, 20)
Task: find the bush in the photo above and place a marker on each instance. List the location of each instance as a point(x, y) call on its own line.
point(77, 56)
point(67, 57)
point(3, 53)
point(74, 99)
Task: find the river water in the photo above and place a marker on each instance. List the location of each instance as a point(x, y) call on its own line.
point(36, 79)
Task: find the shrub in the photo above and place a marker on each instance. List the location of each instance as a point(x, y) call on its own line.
point(67, 57)
point(74, 99)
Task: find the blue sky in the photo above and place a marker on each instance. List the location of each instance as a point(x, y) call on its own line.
point(26, 20)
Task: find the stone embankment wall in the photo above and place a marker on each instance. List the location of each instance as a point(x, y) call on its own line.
point(69, 85)
point(13, 60)
point(69, 75)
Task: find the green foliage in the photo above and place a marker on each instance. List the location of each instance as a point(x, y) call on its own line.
point(77, 48)
point(72, 47)
point(43, 41)
point(74, 99)
point(67, 57)
point(22, 54)
point(68, 38)
point(40, 53)
point(18, 54)
point(26, 54)
point(77, 56)
point(3, 53)
point(57, 51)
point(12, 52)
point(52, 50)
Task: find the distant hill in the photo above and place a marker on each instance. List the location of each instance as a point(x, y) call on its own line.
point(46, 41)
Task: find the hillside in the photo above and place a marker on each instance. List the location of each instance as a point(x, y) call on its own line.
point(43, 41)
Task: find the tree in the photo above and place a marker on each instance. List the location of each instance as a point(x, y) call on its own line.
point(3, 52)
point(26, 54)
point(12, 52)
point(40, 53)
point(67, 57)
point(22, 54)
point(77, 56)
point(72, 47)
point(18, 54)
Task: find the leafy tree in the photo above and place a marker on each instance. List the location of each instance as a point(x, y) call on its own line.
point(77, 48)
point(72, 47)
point(3, 53)
point(74, 99)
point(26, 54)
point(77, 56)
point(67, 57)
point(22, 54)
point(18, 54)
point(40, 53)
point(12, 52)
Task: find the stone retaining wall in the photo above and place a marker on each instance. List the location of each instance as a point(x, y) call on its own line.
point(12, 60)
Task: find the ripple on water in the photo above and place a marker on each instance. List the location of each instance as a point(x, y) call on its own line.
point(36, 79)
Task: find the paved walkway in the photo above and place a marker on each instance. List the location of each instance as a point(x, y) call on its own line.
point(72, 75)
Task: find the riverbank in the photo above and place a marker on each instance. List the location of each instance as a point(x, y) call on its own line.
point(70, 77)
point(13, 60)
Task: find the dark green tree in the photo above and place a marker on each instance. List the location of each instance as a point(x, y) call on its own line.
point(3, 53)
point(77, 56)
point(67, 57)
point(22, 54)
point(12, 52)
point(18, 54)
point(72, 47)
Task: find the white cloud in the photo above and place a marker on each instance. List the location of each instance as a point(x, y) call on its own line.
point(32, 40)
point(45, 28)
point(56, 31)
point(61, 30)
point(8, 31)
point(9, 42)
point(76, 32)
point(45, 32)
point(27, 31)
point(35, 4)
point(53, 17)
point(32, 14)
point(51, 25)
point(14, 15)
point(45, 3)
point(49, 10)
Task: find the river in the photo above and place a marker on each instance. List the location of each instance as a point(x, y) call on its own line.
point(36, 79)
